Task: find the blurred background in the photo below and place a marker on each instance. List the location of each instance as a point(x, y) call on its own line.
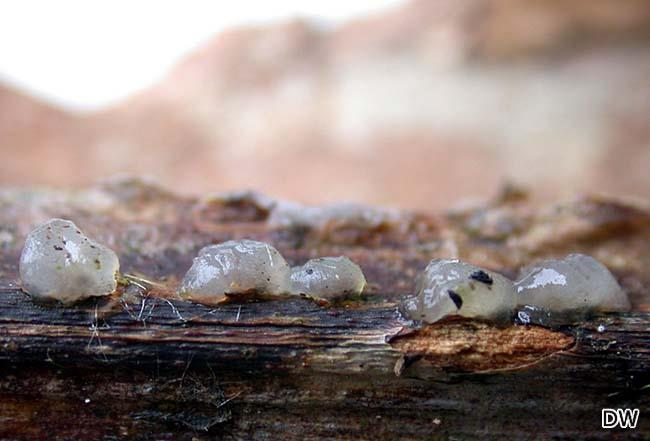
point(414, 104)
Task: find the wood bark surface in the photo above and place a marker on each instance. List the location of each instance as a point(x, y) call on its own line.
point(144, 364)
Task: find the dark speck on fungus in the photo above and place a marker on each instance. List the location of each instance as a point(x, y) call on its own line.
point(448, 287)
point(70, 275)
point(328, 278)
point(458, 301)
point(576, 283)
point(482, 276)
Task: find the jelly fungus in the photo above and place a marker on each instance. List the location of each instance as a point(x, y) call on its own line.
point(59, 262)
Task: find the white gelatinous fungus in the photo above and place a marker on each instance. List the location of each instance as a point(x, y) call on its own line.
point(328, 278)
point(576, 282)
point(348, 215)
point(59, 263)
point(236, 267)
point(451, 287)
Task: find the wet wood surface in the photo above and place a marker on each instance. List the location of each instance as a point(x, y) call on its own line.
point(144, 364)
point(294, 370)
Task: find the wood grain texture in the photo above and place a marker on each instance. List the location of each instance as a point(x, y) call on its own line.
point(143, 364)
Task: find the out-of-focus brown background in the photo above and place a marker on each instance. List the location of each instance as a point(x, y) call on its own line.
point(419, 106)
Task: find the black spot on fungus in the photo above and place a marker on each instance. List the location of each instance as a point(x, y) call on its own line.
point(310, 271)
point(482, 276)
point(58, 248)
point(458, 301)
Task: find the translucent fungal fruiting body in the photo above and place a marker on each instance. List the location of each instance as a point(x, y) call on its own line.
point(60, 263)
point(236, 267)
point(291, 215)
point(452, 287)
point(328, 278)
point(576, 282)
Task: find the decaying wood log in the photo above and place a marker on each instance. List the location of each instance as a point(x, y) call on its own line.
point(144, 364)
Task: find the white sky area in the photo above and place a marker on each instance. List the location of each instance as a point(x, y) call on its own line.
point(84, 54)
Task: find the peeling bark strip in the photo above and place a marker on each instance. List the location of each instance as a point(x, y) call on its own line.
point(147, 365)
point(479, 347)
point(290, 335)
point(275, 370)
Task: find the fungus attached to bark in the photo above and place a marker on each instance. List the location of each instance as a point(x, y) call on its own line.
point(59, 262)
point(236, 268)
point(328, 278)
point(452, 287)
point(348, 215)
point(576, 282)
